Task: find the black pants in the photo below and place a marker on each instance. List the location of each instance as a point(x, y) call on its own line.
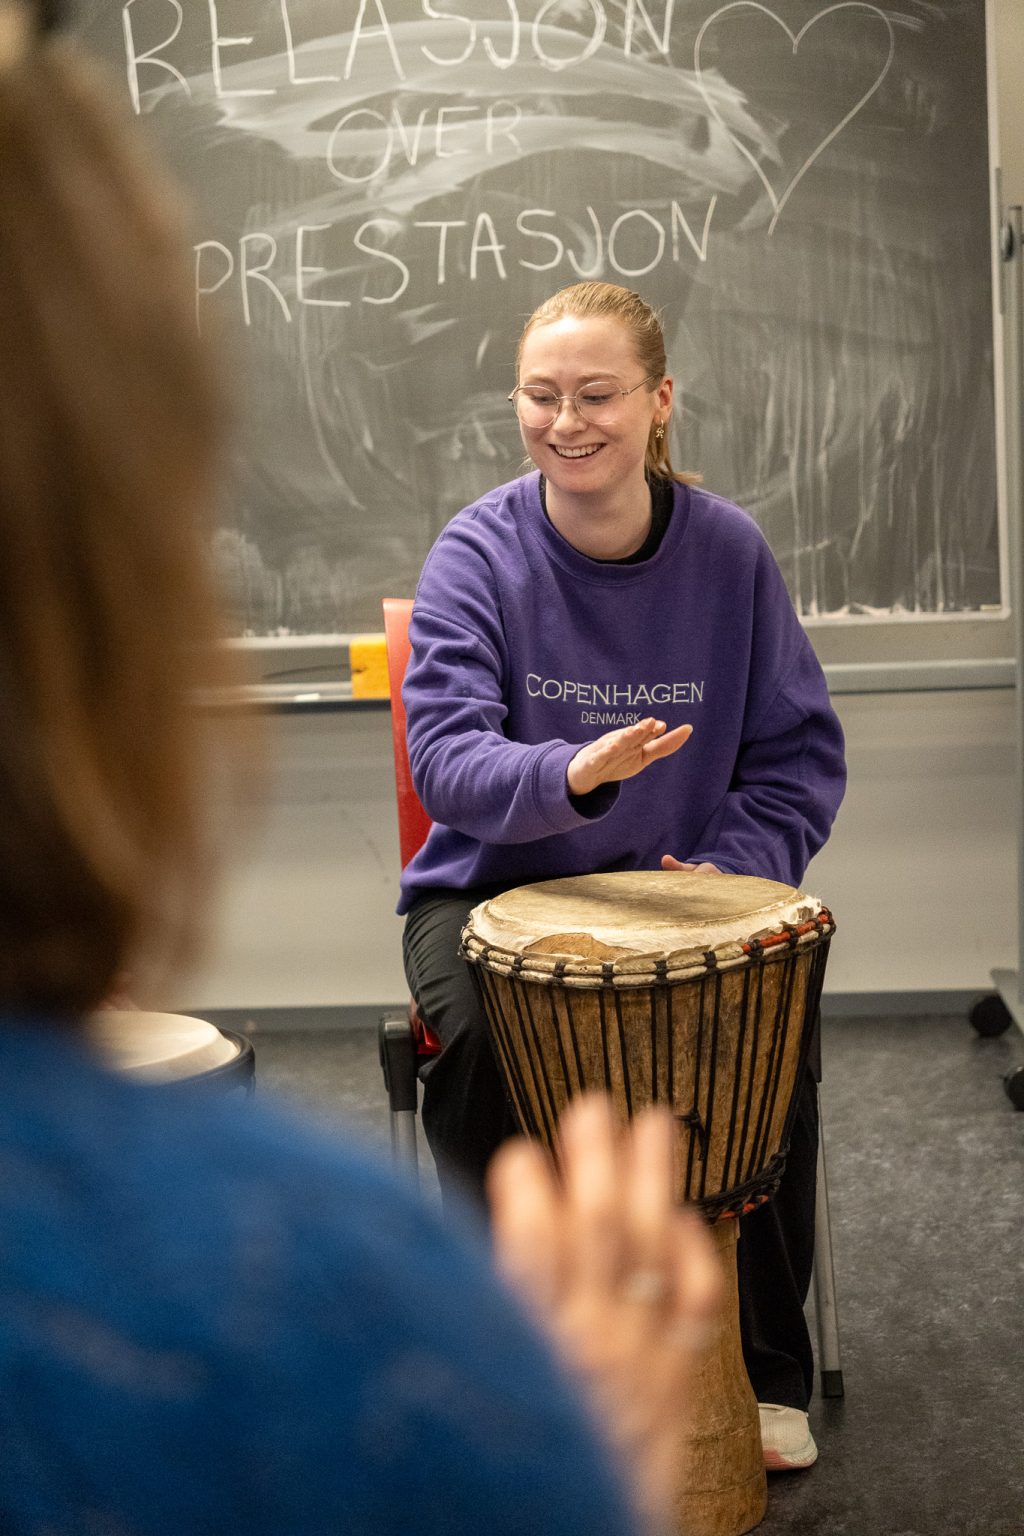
point(467, 1115)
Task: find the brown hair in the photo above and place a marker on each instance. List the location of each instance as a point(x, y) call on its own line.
point(110, 421)
point(608, 300)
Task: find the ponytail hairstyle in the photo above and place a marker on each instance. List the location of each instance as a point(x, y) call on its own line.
point(609, 301)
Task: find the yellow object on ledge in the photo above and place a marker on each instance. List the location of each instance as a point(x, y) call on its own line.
point(369, 663)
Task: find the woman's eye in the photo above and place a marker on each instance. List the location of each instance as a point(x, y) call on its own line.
point(596, 396)
point(540, 396)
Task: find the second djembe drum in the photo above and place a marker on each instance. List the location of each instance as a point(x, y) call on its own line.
point(696, 991)
point(173, 1050)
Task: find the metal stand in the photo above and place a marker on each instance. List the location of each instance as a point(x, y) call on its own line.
point(397, 1046)
point(992, 1015)
point(830, 1363)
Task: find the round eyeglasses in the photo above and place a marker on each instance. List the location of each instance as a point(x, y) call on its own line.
point(599, 402)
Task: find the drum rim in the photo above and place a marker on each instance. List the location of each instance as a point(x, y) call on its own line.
point(242, 1065)
point(646, 970)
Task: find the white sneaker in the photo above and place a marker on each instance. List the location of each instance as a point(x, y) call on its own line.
point(786, 1438)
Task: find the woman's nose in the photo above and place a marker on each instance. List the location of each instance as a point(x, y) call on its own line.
point(575, 415)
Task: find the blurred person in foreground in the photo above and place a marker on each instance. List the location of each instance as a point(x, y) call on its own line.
point(212, 1318)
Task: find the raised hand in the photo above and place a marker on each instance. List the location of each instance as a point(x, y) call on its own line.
point(623, 753)
point(623, 1280)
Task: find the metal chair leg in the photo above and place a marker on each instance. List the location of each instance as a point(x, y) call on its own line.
point(829, 1358)
point(398, 1060)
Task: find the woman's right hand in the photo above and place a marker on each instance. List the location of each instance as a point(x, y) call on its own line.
point(623, 753)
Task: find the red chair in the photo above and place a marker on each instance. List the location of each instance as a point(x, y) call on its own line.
point(413, 821)
point(405, 1042)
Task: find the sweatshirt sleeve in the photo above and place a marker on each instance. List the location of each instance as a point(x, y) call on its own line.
point(790, 772)
point(466, 771)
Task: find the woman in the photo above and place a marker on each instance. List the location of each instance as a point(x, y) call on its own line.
point(578, 597)
point(211, 1319)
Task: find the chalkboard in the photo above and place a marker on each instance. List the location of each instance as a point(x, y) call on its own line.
point(386, 188)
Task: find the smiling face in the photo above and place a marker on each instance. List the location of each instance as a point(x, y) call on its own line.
point(576, 456)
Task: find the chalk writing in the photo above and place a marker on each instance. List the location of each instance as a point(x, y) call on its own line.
point(779, 201)
point(386, 187)
point(549, 44)
point(635, 243)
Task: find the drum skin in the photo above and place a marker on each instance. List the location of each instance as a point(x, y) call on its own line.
point(172, 1049)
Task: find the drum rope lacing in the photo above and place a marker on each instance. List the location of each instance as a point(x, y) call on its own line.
point(562, 973)
point(630, 971)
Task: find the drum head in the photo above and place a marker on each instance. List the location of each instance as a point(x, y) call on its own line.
point(639, 916)
point(160, 1047)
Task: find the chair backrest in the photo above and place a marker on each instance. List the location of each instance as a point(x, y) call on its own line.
point(413, 821)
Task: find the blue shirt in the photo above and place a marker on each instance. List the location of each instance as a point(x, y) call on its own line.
point(214, 1320)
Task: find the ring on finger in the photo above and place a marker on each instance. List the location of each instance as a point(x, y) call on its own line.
point(693, 1335)
point(646, 1287)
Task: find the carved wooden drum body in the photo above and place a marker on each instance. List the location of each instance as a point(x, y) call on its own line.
point(696, 991)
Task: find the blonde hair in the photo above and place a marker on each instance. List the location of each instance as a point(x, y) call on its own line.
point(110, 425)
point(609, 301)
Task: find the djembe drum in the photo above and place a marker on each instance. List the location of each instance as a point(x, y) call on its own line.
point(696, 991)
point(172, 1049)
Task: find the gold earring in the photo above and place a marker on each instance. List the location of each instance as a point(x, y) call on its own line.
point(659, 434)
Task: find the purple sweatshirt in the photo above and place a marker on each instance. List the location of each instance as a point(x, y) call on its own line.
point(523, 649)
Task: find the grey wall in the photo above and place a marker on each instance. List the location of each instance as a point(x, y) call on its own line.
point(1008, 37)
point(920, 870)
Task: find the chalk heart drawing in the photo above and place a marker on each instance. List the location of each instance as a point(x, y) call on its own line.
point(779, 202)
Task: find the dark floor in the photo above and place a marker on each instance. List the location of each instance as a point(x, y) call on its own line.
point(926, 1175)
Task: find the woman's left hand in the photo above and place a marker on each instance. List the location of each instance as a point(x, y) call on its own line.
point(668, 862)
